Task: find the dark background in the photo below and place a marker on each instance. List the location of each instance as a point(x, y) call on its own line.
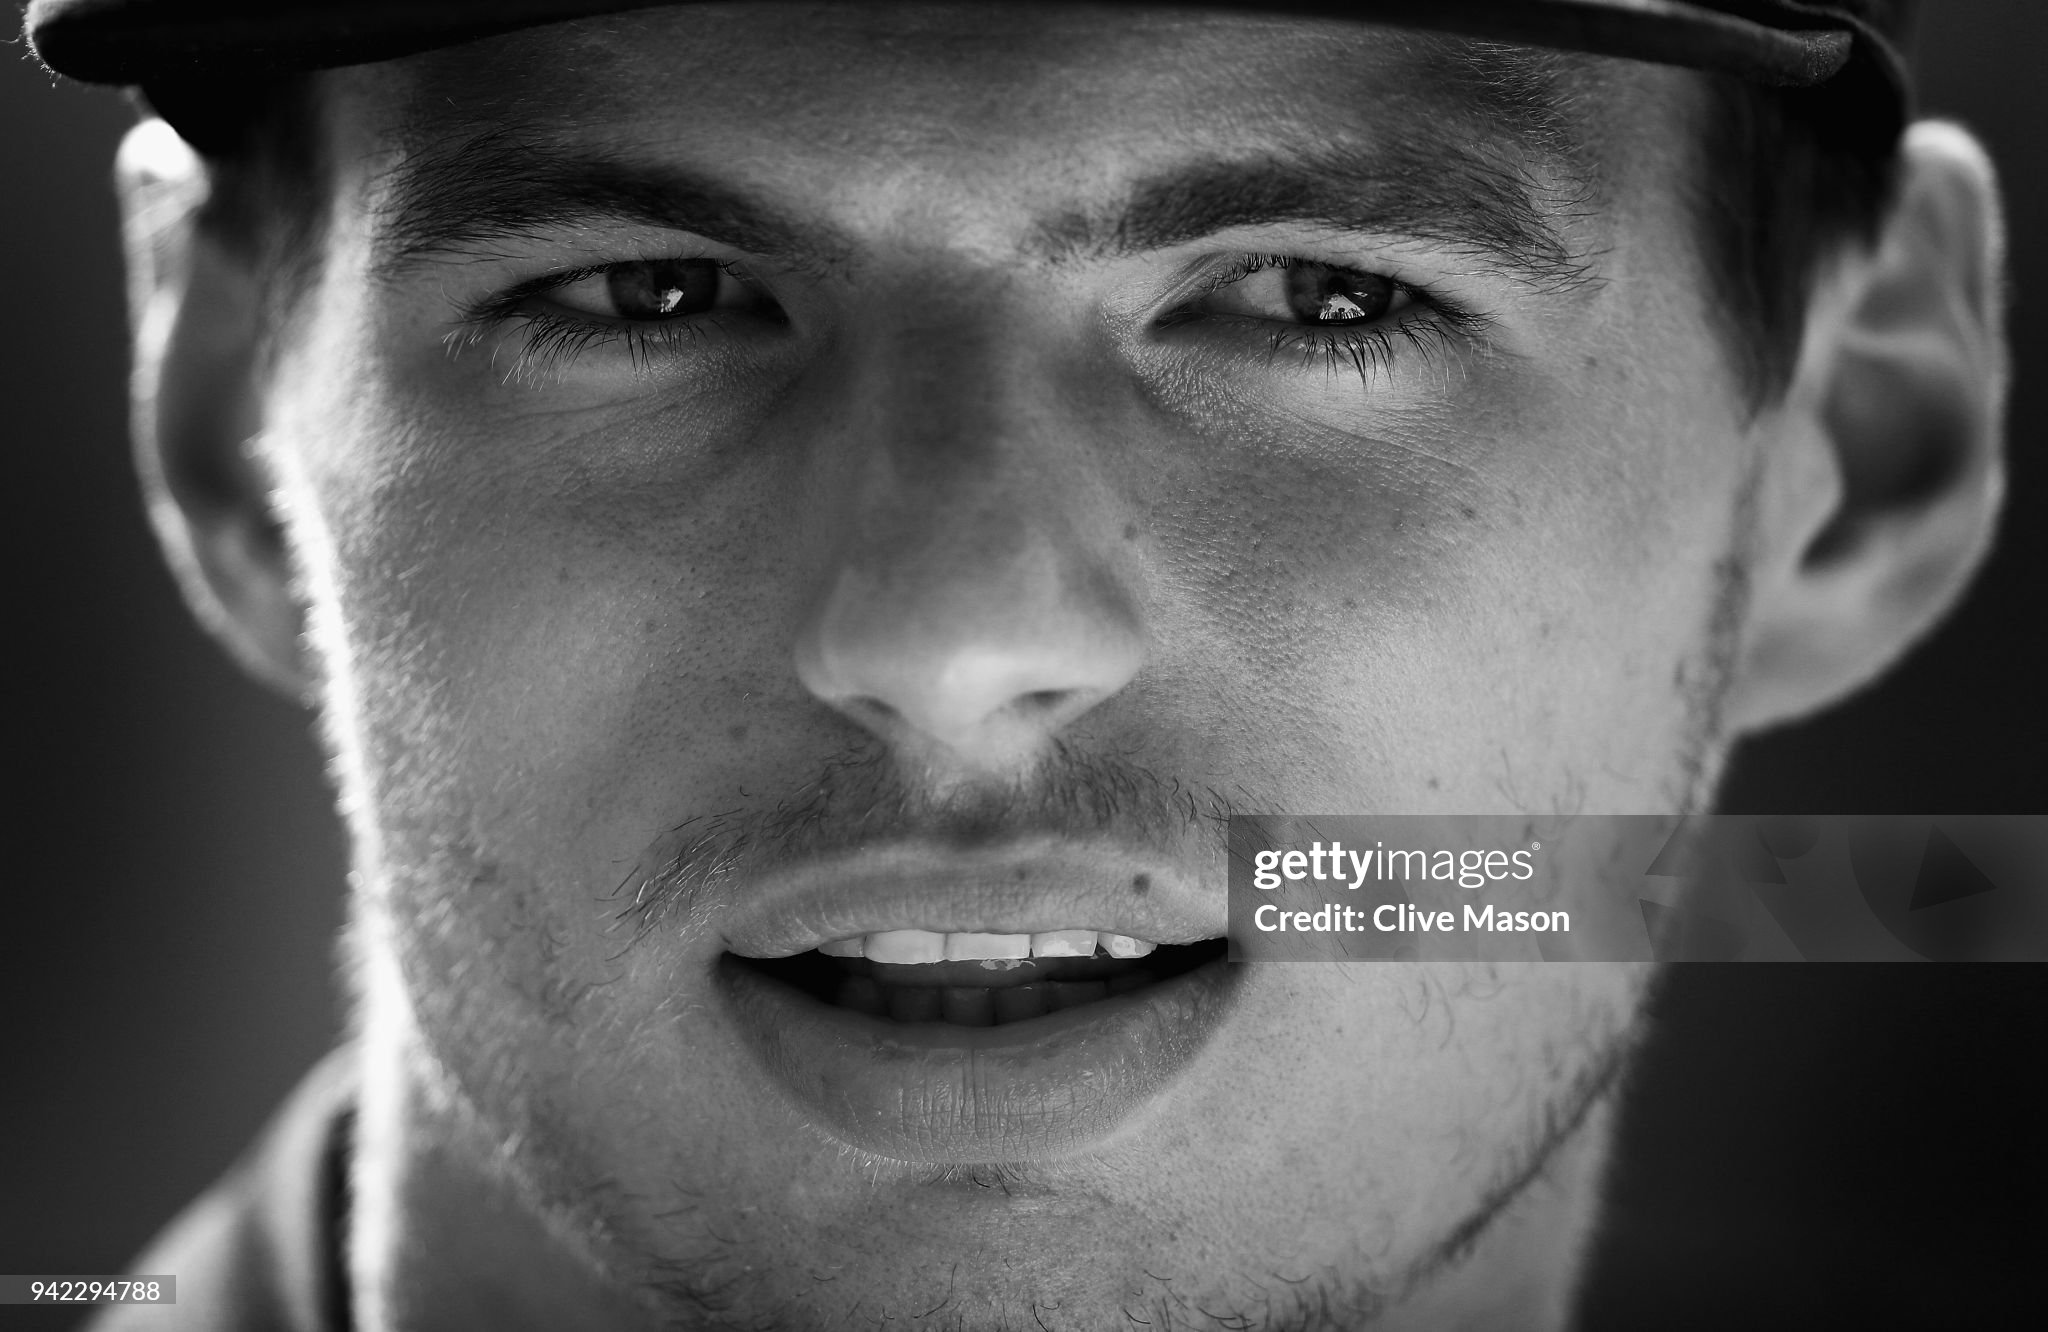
point(1805, 1145)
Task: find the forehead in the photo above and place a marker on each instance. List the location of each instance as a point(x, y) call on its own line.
point(1013, 72)
point(989, 110)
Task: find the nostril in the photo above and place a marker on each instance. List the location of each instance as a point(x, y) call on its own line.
point(1042, 700)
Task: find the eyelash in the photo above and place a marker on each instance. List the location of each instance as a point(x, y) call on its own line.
point(1431, 329)
point(553, 342)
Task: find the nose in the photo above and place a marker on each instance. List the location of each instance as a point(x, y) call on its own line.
point(983, 658)
point(979, 600)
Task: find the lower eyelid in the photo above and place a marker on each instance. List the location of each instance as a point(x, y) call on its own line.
point(537, 344)
point(1374, 348)
point(1422, 333)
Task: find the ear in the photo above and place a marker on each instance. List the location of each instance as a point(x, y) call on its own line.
point(1883, 482)
point(197, 409)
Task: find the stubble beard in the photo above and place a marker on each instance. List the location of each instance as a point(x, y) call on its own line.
point(1562, 1150)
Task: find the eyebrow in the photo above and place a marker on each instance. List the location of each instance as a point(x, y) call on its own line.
point(464, 195)
point(1441, 194)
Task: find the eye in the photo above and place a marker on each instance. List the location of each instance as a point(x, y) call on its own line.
point(1295, 291)
point(657, 291)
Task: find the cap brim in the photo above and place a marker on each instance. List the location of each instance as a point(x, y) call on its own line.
point(146, 41)
point(197, 60)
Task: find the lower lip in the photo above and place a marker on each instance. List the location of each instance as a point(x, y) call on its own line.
point(943, 1094)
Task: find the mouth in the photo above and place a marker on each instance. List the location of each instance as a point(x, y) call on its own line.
point(935, 1008)
point(975, 980)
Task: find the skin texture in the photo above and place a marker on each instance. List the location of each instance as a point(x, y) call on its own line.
point(977, 542)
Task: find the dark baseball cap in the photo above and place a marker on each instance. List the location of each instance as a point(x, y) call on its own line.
point(174, 48)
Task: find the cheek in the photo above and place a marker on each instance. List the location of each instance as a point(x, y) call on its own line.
point(1411, 1090)
point(1511, 588)
point(529, 630)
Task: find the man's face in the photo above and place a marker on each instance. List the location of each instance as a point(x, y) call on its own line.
point(1027, 439)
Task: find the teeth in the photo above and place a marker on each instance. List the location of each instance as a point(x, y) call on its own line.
point(915, 1003)
point(913, 947)
point(905, 946)
point(1063, 943)
point(968, 1007)
point(1130, 980)
point(974, 947)
point(977, 1006)
point(1020, 1003)
point(1067, 994)
point(863, 996)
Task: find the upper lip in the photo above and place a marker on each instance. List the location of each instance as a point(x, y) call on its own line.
point(1017, 887)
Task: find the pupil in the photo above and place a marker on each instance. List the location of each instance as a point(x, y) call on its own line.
point(665, 289)
point(1322, 295)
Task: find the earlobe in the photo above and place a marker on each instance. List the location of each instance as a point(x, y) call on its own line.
point(195, 307)
point(1882, 490)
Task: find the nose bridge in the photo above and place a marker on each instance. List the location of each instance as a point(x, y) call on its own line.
point(976, 600)
point(953, 448)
